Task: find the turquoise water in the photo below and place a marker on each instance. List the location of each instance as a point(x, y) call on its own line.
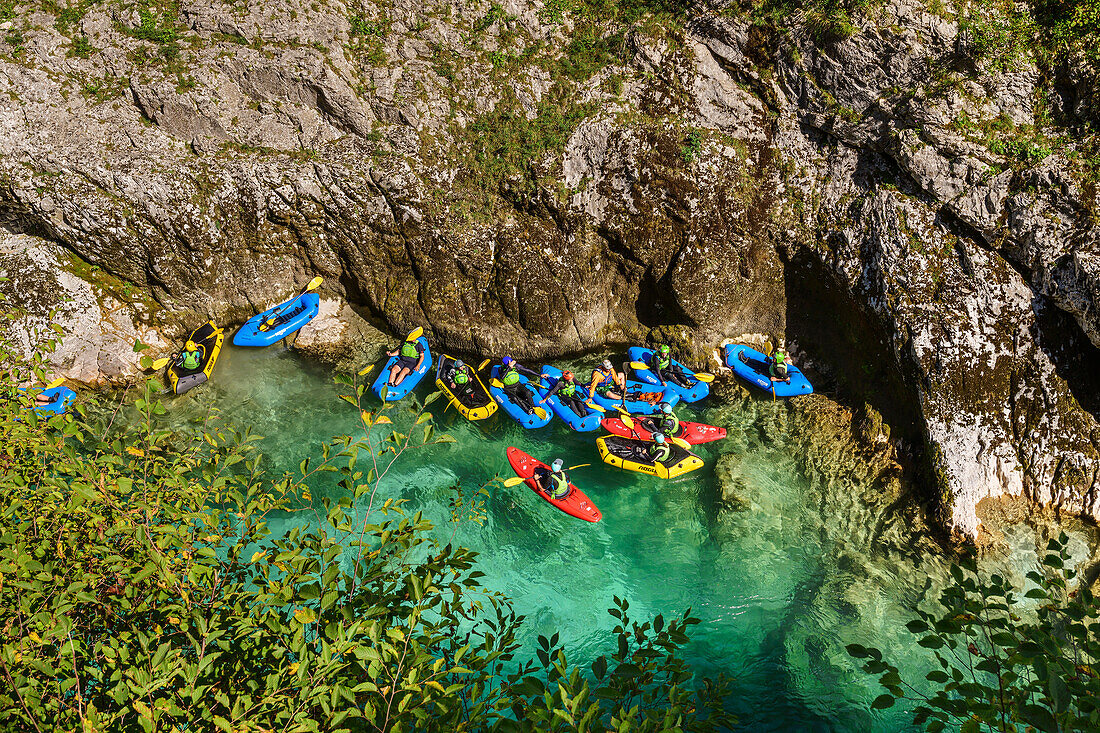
point(811, 558)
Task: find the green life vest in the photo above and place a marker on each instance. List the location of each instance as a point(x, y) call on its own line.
point(568, 389)
point(660, 452)
point(192, 359)
point(663, 362)
point(670, 424)
point(510, 378)
point(409, 350)
point(461, 377)
point(559, 485)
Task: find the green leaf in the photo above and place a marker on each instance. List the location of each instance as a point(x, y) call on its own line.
point(1059, 693)
point(883, 701)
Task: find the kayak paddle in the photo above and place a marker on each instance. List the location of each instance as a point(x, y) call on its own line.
point(583, 465)
point(514, 481)
point(55, 383)
point(681, 442)
point(483, 364)
point(594, 406)
point(541, 413)
point(639, 366)
point(366, 370)
point(313, 285)
point(159, 364)
point(415, 333)
point(704, 377)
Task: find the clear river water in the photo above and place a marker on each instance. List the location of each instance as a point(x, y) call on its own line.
point(810, 559)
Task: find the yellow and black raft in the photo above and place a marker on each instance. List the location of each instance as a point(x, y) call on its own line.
point(209, 338)
point(473, 402)
point(631, 455)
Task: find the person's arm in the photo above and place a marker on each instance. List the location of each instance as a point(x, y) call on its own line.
point(531, 375)
point(392, 353)
point(553, 391)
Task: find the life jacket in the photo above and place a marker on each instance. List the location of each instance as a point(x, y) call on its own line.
point(461, 376)
point(605, 383)
point(662, 362)
point(568, 389)
point(559, 484)
point(511, 377)
point(192, 359)
point(670, 424)
point(660, 453)
point(409, 350)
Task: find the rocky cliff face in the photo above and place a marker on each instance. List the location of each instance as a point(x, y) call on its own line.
point(545, 177)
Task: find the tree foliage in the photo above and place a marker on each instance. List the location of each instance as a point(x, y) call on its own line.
point(141, 588)
point(1006, 662)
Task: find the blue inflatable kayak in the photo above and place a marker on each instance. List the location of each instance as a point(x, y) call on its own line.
point(749, 364)
point(591, 418)
point(408, 384)
point(60, 399)
point(638, 406)
point(527, 420)
point(694, 393)
point(289, 317)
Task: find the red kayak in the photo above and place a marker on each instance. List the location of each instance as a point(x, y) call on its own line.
point(576, 504)
point(693, 432)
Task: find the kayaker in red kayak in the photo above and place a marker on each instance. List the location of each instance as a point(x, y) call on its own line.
point(666, 423)
point(554, 482)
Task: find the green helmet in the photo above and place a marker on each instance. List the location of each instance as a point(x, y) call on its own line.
point(663, 348)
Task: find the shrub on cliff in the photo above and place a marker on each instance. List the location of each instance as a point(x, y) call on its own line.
point(1004, 663)
point(141, 589)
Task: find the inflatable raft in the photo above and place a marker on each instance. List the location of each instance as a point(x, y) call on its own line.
point(473, 402)
point(692, 432)
point(581, 423)
point(694, 393)
point(288, 318)
point(575, 504)
point(210, 338)
point(629, 454)
point(642, 398)
point(749, 364)
point(60, 399)
point(527, 420)
point(408, 384)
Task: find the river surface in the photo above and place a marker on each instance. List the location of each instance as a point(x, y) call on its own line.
point(782, 583)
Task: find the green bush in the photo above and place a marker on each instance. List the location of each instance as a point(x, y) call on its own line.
point(1004, 663)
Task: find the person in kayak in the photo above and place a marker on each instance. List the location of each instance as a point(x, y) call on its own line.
point(519, 392)
point(40, 399)
point(555, 482)
point(777, 367)
point(460, 379)
point(568, 392)
point(410, 355)
point(658, 451)
point(190, 359)
point(666, 422)
point(660, 363)
point(607, 382)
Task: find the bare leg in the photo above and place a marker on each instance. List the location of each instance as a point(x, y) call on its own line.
point(405, 371)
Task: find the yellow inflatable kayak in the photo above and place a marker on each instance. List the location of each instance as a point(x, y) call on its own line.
point(472, 401)
point(209, 338)
point(630, 454)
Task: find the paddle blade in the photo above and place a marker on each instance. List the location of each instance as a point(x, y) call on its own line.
point(55, 383)
point(583, 465)
point(541, 413)
point(627, 422)
point(366, 370)
point(496, 383)
point(159, 364)
point(483, 364)
point(314, 284)
point(415, 333)
point(594, 406)
point(704, 377)
point(514, 481)
point(639, 366)
point(681, 442)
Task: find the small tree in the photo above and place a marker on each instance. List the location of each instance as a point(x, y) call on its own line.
point(1004, 664)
